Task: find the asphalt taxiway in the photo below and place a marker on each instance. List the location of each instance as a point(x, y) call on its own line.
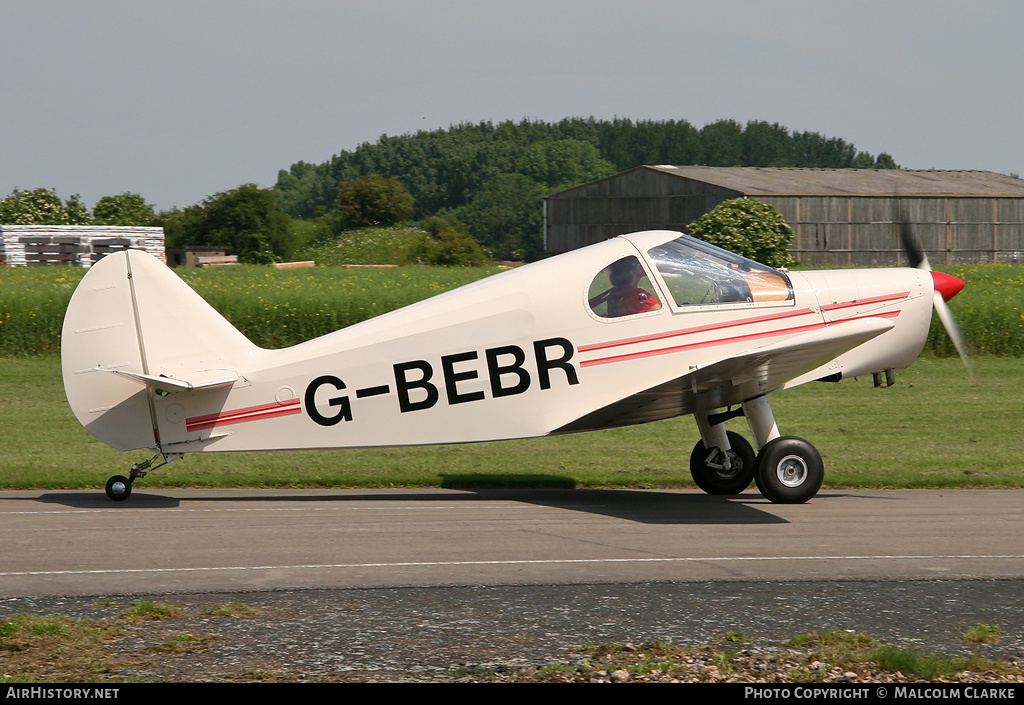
point(201, 540)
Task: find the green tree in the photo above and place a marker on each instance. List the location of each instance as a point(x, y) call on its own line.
point(445, 170)
point(298, 191)
point(813, 150)
point(42, 207)
point(449, 244)
point(863, 160)
point(767, 144)
point(371, 200)
point(562, 164)
point(124, 209)
point(506, 217)
point(747, 227)
point(182, 228)
point(885, 161)
point(78, 214)
point(627, 144)
point(247, 221)
point(722, 143)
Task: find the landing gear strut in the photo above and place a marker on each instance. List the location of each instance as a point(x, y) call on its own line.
point(787, 469)
point(119, 487)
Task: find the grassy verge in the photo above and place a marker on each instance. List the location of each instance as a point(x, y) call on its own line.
point(831, 655)
point(935, 428)
point(58, 649)
point(373, 245)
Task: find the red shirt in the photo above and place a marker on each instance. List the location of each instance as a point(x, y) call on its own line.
point(627, 300)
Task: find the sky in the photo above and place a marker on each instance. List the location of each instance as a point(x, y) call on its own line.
point(178, 100)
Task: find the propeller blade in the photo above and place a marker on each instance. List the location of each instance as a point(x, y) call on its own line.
point(946, 287)
point(912, 249)
point(952, 329)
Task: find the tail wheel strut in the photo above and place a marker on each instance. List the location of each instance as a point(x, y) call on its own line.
point(119, 487)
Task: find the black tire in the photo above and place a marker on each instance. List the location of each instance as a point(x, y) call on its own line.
point(119, 488)
point(789, 470)
point(716, 481)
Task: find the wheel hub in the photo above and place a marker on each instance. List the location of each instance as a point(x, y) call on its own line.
point(792, 471)
point(734, 469)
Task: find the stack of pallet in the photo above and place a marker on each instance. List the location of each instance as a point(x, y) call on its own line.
point(103, 246)
point(216, 260)
point(12, 252)
point(68, 250)
point(74, 245)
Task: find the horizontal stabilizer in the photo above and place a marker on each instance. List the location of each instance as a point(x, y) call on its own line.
point(207, 379)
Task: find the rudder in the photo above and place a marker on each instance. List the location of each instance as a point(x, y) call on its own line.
point(131, 323)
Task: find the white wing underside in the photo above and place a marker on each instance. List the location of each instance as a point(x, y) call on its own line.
point(735, 379)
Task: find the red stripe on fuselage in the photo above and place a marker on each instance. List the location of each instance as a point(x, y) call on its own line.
point(865, 302)
point(720, 341)
point(251, 413)
point(695, 329)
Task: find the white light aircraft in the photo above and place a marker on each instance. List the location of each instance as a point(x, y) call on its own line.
point(638, 328)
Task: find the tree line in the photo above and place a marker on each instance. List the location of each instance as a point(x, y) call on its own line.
point(481, 183)
point(446, 169)
point(493, 178)
point(44, 207)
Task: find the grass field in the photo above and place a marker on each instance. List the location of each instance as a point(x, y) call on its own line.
point(935, 428)
point(273, 307)
point(276, 308)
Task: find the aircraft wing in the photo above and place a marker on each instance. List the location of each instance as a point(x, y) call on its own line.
point(735, 379)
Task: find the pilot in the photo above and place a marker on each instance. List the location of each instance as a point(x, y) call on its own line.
point(625, 298)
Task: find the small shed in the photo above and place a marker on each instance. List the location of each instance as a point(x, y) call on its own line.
point(839, 216)
point(199, 256)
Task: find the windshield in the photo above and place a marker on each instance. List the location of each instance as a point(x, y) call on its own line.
point(699, 274)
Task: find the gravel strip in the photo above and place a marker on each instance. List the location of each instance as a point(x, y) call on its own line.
point(505, 633)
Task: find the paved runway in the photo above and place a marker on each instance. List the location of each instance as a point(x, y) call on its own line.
point(197, 540)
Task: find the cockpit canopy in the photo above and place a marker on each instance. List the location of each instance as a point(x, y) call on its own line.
point(691, 273)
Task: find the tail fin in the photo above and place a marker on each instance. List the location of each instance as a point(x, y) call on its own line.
point(133, 329)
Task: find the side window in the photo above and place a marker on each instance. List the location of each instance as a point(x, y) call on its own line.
point(622, 289)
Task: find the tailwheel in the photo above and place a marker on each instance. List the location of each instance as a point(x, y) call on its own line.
point(789, 470)
point(715, 476)
point(119, 488)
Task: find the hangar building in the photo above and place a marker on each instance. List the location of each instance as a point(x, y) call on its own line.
point(839, 216)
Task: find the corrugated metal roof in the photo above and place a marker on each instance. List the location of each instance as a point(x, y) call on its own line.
point(780, 181)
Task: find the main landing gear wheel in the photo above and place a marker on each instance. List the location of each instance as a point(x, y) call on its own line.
point(119, 488)
point(789, 470)
point(710, 474)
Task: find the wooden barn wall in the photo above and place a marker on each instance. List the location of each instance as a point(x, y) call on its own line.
point(864, 230)
point(634, 201)
point(845, 230)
